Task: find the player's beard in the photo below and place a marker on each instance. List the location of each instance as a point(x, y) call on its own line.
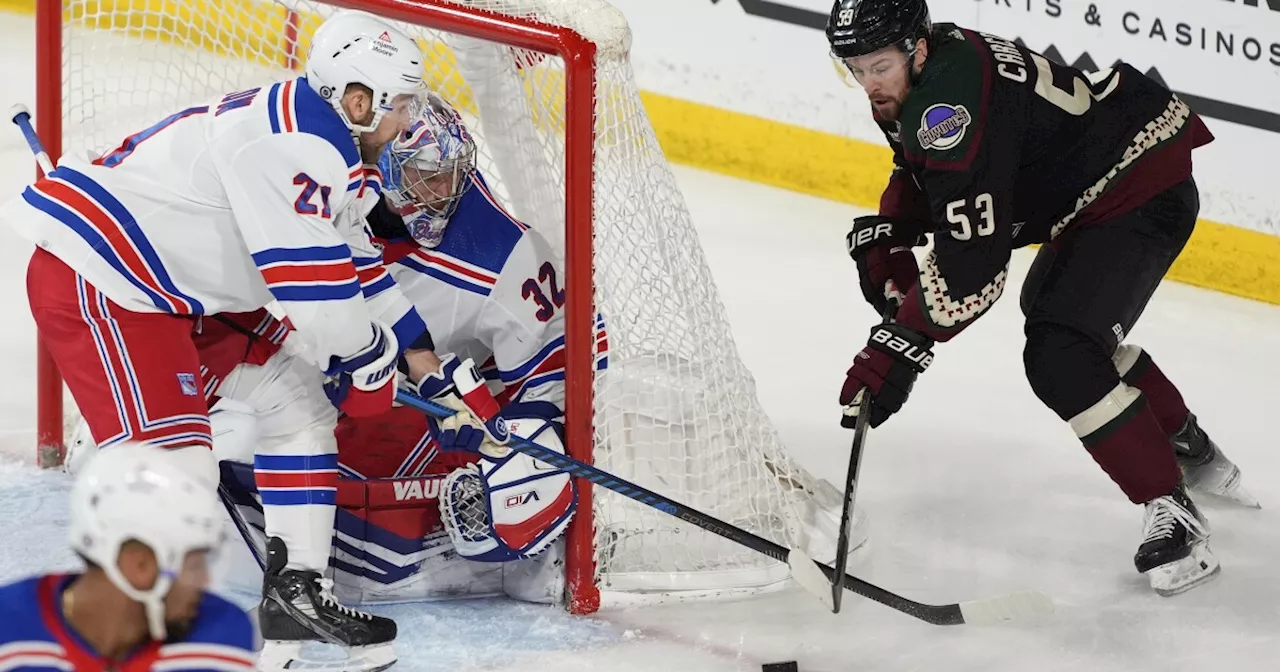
point(888, 109)
point(176, 630)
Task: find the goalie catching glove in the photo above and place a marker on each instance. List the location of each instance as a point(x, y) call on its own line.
point(512, 507)
point(887, 368)
point(478, 426)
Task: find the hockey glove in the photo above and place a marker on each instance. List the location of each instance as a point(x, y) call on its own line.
point(887, 369)
point(364, 383)
point(478, 425)
point(887, 269)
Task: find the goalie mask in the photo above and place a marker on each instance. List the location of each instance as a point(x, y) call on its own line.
point(428, 169)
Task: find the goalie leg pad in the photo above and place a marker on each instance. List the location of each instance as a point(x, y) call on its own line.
point(510, 508)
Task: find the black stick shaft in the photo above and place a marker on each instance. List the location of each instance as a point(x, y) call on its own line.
point(861, 429)
point(948, 614)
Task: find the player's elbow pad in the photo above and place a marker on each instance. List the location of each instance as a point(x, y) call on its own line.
point(363, 384)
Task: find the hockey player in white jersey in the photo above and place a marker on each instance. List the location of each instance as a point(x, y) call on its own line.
point(494, 286)
point(206, 217)
point(490, 287)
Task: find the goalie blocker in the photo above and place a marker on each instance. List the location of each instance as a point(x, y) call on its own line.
point(417, 524)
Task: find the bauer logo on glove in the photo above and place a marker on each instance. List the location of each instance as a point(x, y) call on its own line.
point(891, 343)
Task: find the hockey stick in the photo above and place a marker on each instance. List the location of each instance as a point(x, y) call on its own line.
point(20, 115)
point(1015, 606)
point(861, 428)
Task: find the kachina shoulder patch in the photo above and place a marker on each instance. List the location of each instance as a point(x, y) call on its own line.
point(943, 126)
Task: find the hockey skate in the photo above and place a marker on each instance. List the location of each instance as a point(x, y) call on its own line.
point(1206, 468)
point(298, 608)
point(1175, 554)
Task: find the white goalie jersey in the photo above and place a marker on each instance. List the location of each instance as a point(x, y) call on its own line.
point(493, 292)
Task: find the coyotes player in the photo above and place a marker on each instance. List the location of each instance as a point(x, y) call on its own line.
point(194, 225)
point(997, 148)
point(143, 526)
point(489, 285)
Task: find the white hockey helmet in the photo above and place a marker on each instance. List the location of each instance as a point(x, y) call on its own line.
point(428, 169)
point(354, 47)
point(137, 492)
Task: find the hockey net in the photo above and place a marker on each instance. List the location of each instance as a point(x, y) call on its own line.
point(564, 140)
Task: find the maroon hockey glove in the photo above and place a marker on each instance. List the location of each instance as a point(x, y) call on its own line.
point(886, 267)
point(887, 367)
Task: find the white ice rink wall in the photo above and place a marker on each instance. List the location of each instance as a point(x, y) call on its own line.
point(812, 133)
point(746, 87)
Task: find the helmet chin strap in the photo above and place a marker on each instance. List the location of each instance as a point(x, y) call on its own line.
point(913, 77)
point(357, 129)
point(152, 600)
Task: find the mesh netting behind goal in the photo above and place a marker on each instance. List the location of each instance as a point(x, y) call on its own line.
point(675, 409)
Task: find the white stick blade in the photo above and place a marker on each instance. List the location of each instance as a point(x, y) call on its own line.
point(1022, 606)
point(808, 576)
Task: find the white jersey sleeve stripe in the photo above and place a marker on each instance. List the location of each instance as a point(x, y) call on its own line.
point(308, 273)
point(104, 223)
point(280, 110)
point(488, 195)
point(372, 181)
point(447, 275)
point(526, 369)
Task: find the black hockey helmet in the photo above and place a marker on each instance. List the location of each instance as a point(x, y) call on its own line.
point(860, 27)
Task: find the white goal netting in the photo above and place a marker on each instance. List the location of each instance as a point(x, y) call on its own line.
point(675, 410)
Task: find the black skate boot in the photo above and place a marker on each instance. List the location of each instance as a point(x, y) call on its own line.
point(1206, 468)
point(1175, 553)
point(298, 607)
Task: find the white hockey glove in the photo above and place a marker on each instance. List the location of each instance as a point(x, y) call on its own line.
point(478, 426)
point(364, 383)
point(510, 508)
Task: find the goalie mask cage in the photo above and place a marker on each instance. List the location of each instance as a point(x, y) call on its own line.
point(547, 89)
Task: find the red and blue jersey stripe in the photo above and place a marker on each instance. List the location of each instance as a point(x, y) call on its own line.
point(292, 107)
point(374, 278)
point(548, 365)
point(309, 273)
point(452, 270)
point(294, 480)
point(98, 217)
point(116, 156)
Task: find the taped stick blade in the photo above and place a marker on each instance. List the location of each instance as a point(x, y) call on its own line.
point(808, 576)
point(1021, 606)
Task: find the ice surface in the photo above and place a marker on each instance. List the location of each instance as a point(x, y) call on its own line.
point(974, 489)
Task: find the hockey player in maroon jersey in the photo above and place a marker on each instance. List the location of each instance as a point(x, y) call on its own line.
point(143, 524)
point(996, 148)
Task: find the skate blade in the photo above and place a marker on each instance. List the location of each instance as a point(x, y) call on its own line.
point(1234, 494)
point(1238, 498)
point(282, 656)
point(1182, 575)
point(1227, 489)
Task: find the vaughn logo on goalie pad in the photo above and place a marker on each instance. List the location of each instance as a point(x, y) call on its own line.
point(426, 488)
